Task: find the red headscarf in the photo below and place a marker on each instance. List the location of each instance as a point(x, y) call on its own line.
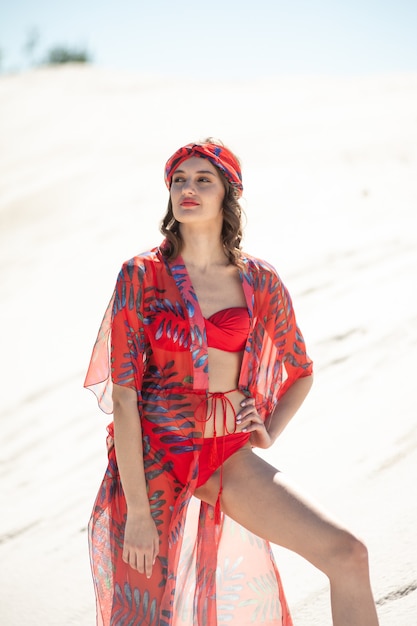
point(219, 156)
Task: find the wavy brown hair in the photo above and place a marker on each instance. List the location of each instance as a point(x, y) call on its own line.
point(232, 231)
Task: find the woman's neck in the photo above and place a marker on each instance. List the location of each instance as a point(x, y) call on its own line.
point(203, 251)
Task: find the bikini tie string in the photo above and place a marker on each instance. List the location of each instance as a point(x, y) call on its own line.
point(209, 403)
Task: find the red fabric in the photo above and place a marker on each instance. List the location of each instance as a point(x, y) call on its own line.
point(153, 339)
point(228, 329)
point(226, 446)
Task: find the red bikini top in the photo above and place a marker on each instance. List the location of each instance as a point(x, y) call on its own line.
point(228, 329)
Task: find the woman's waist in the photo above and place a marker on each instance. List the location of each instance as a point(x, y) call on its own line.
point(168, 392)
point(218, 411)
point(210, 413)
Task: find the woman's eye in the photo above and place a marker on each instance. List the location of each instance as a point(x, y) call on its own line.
point(181, 179)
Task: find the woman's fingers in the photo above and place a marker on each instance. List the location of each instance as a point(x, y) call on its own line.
point(150, 558)
point(156, 548)
point(149, 561)
point(247, 418)
point(141, 561)
point(141, 544)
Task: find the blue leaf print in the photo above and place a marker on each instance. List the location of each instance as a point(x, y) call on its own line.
point(160, 330)
point(168, 304)
point(136, 596)
point(123, 295)
point(198, 335)
point(156, 408)
point(157, 494)
point(128, 594)
point(181, 449)
point(118, 593)
point(174, 438)
point(175, 334)
point(129, 268)
point(152, 612)
point(201, 360)
point(145, 602)
point(190, 309)
point(165, 429)
point(131, 298)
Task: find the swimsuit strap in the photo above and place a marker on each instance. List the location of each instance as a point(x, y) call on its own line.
point(211, 412)
point(209, 402)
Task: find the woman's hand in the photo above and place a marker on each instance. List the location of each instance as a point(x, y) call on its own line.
point(248, 420)
point(141, 542)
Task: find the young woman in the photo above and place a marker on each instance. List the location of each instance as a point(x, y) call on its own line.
point(200, 360)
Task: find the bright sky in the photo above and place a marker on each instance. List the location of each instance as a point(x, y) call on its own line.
point(234, 38)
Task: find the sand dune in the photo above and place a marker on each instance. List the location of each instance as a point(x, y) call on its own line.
point(330, 173)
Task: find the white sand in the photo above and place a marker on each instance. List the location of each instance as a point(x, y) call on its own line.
point(331, 197)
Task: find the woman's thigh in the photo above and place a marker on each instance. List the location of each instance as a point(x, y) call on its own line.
point(262, 499)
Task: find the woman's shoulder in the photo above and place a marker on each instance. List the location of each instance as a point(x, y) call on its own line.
point(148, 258)
point(259, 267)
point(142, 263)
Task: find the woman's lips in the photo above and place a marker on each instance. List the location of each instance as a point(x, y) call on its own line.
point(189, 203)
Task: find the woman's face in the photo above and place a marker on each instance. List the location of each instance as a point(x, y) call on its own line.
point(197, 192)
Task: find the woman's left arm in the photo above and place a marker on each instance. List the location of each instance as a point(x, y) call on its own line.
point(287, 406)
point(265, 433)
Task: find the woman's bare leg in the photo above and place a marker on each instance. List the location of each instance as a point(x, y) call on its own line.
point(251, 485)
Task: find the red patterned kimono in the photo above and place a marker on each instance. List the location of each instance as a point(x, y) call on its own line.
point(209, 572)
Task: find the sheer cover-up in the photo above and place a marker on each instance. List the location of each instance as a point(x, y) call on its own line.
point(209, 572)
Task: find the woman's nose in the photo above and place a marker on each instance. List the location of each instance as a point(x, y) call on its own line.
point(187, 186)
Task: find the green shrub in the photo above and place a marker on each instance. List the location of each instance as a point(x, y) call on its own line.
point(62, 54)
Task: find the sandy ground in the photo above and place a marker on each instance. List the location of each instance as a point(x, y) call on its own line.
point(331, 199)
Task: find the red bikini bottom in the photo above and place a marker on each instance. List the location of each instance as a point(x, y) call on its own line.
point(226, 446)
point(213, 453)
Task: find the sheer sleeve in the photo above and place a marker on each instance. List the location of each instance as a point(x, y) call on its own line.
point(119, 353)
point(296, 362)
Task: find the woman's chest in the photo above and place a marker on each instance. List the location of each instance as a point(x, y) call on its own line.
point(217, 290)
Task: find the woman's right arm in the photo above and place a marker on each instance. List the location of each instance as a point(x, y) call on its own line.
point(141, 540)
